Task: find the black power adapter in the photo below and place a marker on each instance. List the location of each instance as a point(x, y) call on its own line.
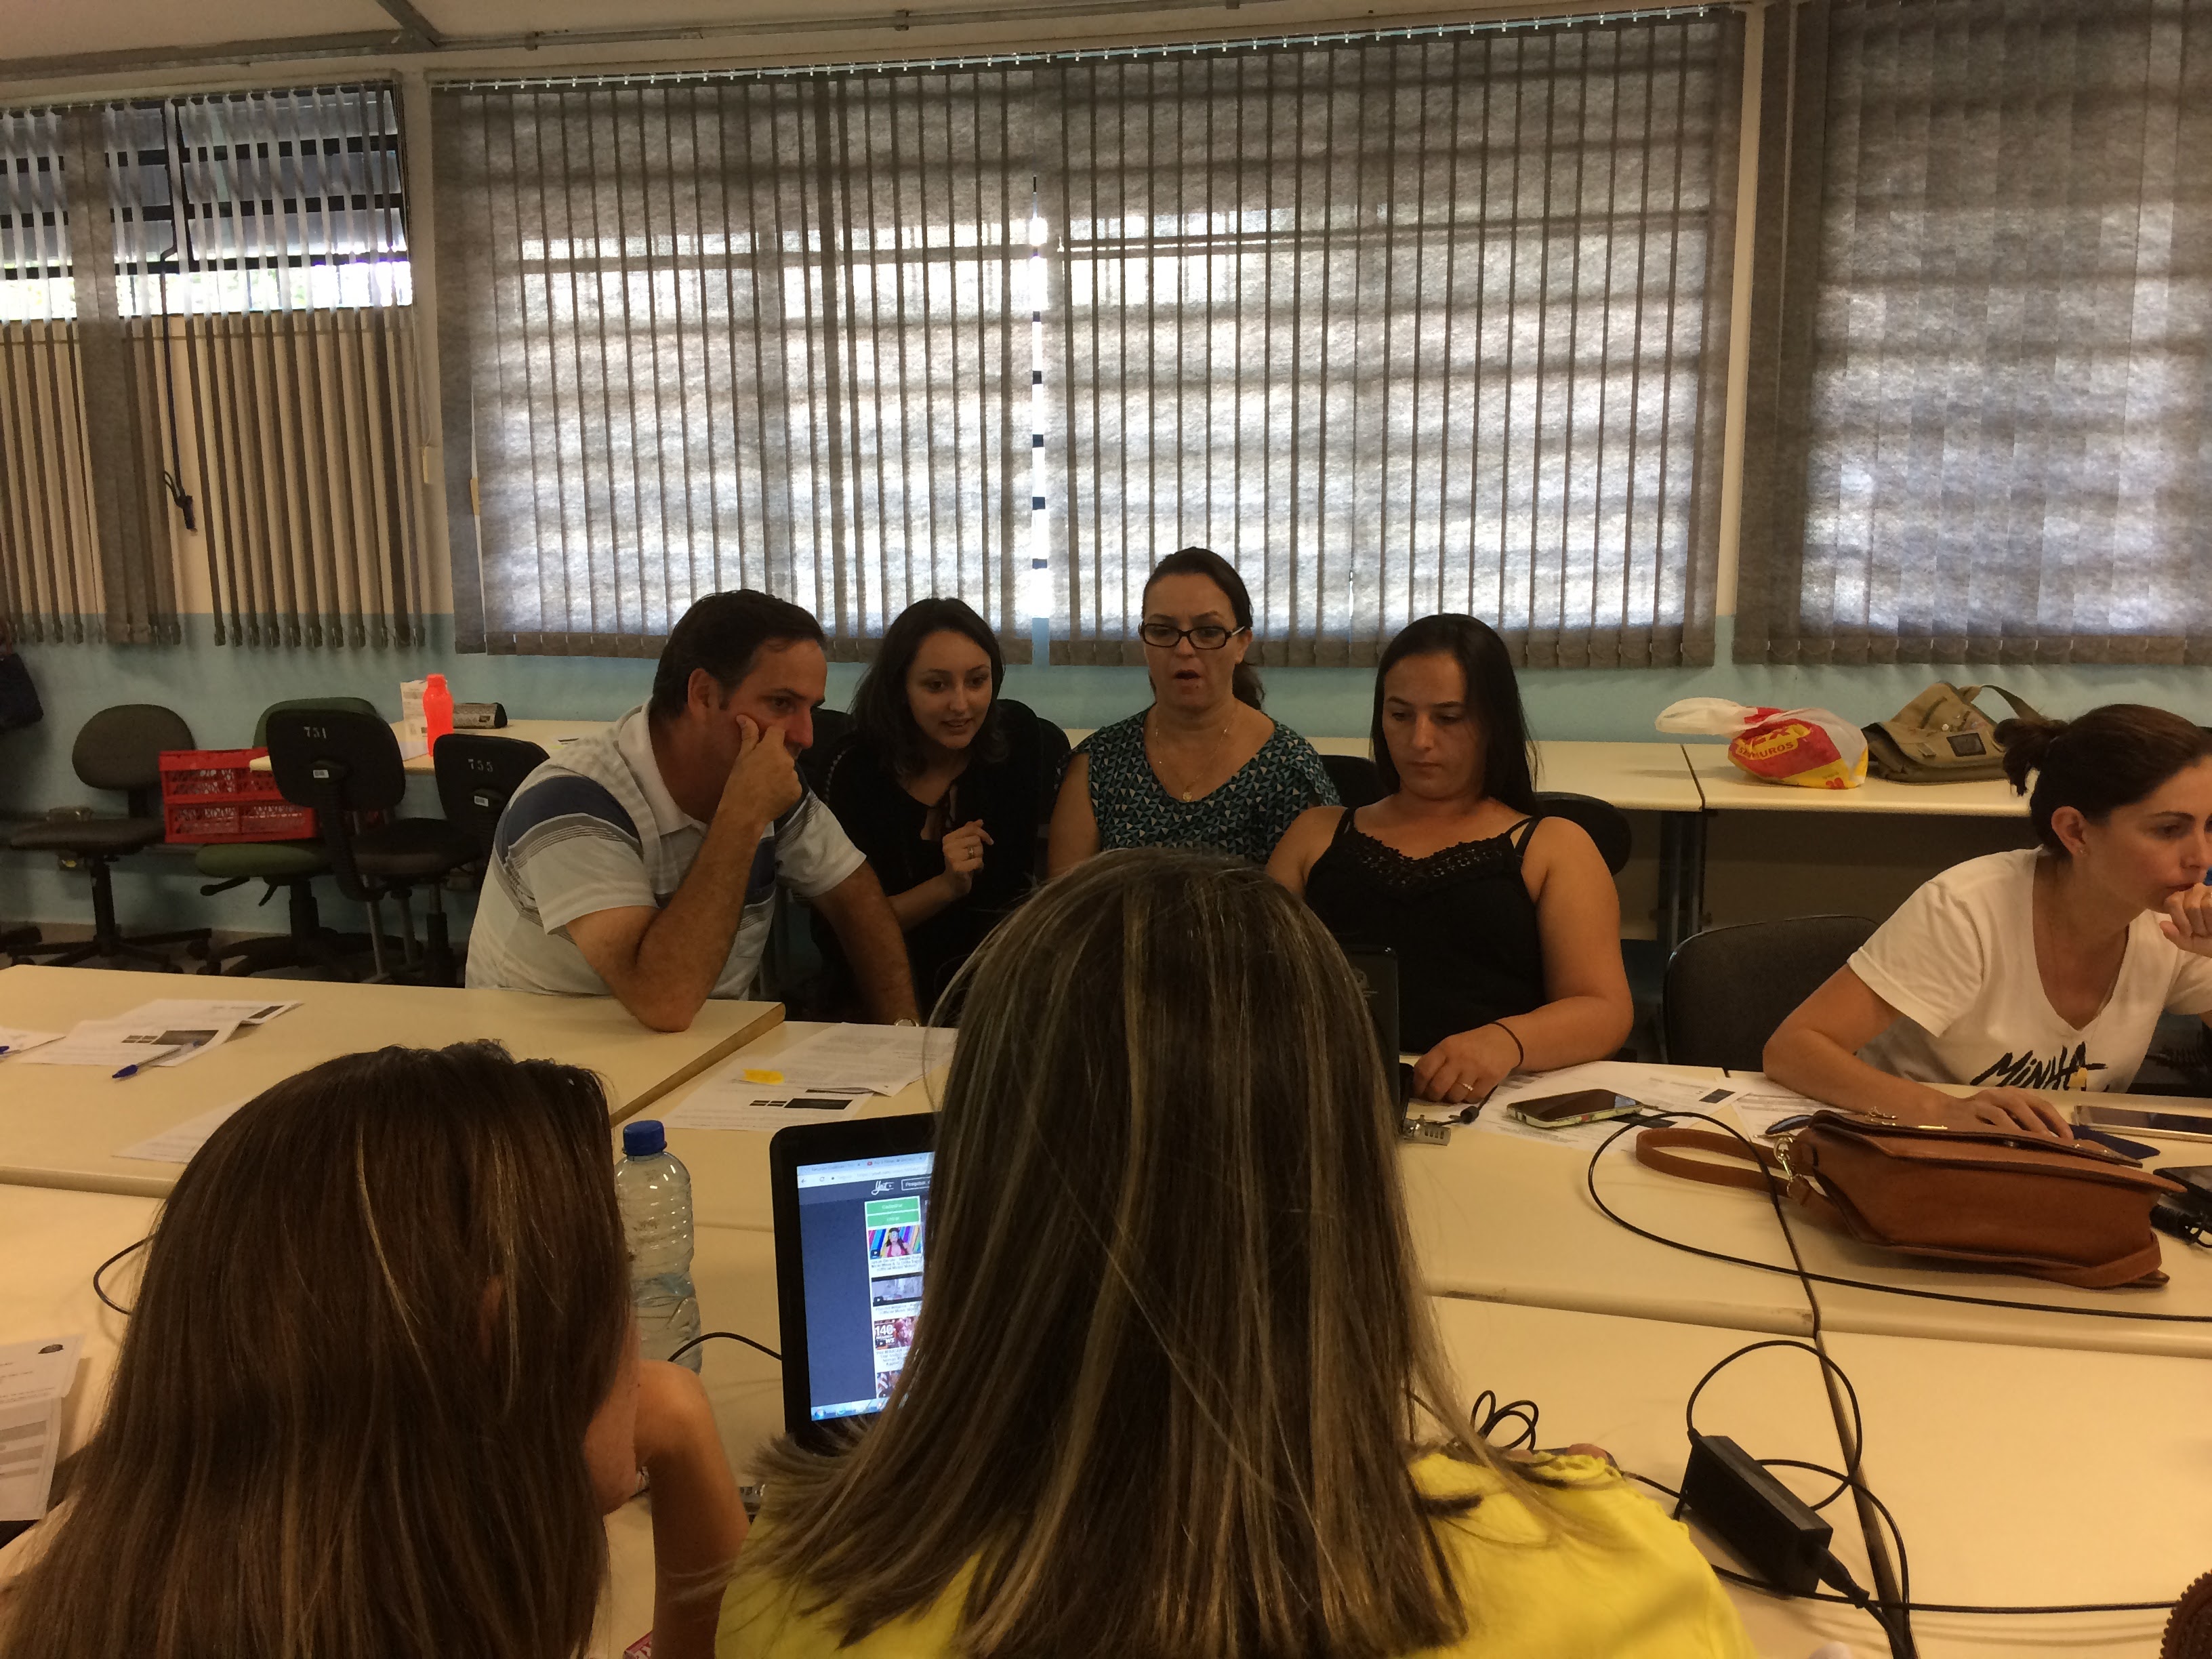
point(1759, 1518)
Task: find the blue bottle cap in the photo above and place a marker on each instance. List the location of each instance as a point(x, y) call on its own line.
point(644, 1139)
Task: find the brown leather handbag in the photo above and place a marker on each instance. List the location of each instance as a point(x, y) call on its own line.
point(2066, 1211)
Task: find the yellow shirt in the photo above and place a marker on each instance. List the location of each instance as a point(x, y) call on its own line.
point(1632, 1588)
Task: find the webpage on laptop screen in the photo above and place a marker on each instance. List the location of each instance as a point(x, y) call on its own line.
point(861, 1225)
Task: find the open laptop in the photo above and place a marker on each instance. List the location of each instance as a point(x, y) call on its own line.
point(851, 1203)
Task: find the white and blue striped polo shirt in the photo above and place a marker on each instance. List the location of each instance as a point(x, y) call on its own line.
point(595, 829)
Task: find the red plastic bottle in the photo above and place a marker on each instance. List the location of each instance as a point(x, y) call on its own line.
point(437, 710)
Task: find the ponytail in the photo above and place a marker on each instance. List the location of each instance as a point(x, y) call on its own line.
point(2110, 757)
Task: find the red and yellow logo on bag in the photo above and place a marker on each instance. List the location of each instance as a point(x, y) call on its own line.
point(1795, 752)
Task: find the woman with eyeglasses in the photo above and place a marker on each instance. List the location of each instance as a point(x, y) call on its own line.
point(1202, 766)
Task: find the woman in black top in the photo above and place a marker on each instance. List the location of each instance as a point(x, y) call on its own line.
point(1506, 925)
point(939, 784)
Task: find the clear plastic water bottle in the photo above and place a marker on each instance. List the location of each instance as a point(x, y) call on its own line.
point(652, 1190)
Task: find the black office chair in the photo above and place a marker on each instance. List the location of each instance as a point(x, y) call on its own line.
point(1727, 988)
point(344, 764)
point(1606, 824)
point(1358, 782)
point(288, 865)
point(478, 776)
point(119, 748)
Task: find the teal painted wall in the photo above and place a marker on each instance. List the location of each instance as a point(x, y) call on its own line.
point(220, 691)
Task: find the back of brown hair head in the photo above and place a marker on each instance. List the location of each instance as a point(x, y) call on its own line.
point(379, 1310)
point(1171, 1364)
point(2111, 757)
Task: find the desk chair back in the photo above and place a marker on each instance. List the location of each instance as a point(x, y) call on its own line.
point(478, 776)
point(1606, 824)
point(352, 705)
point(120, 749)
point(340, 761)
point(1727, 988)
point(1358, 782)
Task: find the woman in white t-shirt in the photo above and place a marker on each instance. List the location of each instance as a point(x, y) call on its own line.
point(2038, 969)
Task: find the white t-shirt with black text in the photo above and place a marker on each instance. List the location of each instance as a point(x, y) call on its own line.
point(1958, 962)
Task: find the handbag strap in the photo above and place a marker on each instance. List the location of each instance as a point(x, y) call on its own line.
point(2021, 707)
point(1653, 1151)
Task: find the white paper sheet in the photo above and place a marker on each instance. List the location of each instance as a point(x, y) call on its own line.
point(1658, 1088)
point(177, 1144)
point(881, 1059)
point(1760, 1103)
point(1653, 1085)
point(763, 1108)
point(167, 1031)
point(193, 1010)
point(34, 1380)
point(14, 1040)
point(99, 1042)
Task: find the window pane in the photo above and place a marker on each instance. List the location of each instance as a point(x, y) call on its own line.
point(1399, 328)
point(2008, 432)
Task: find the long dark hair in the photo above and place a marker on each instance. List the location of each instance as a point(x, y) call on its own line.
point(1204, 562)
point(2111, 757)
point(1493, 702)
point(379, 1312)
point(1172, 1360)
point(881, 712)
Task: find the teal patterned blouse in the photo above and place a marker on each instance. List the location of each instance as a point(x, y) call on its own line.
point(1245, 818)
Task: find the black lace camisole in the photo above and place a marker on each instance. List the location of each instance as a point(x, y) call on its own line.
point(1460, 922)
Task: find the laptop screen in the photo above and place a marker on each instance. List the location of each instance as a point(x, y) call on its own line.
point(862, 1223)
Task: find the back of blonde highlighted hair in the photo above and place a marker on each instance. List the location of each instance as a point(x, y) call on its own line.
point(1172, 1366)
point(377, 1316)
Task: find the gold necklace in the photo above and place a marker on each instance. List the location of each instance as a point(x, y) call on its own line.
point(1211, 755)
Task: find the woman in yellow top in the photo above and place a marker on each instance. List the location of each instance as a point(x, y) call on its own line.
point(1173, 1391)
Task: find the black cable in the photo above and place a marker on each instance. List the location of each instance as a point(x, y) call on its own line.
point(1897, 1625)
point(1589, 1180)
point(1880, 1609)
point(100, 1291)
point(1488, 1414)
point(1858, 1418)
point(728, 1336)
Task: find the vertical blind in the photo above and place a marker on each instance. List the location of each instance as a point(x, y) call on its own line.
point(285, 293)
point(222, 344)
point(737, 332)
point(1989, 420)
point(49, 577)
point(1396, 325)
point(1399, 328)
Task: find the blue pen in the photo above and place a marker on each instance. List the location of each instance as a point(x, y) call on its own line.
point(128, 1070)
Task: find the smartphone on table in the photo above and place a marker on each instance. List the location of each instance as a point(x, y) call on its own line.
point(1583, 1106)
point(2169, 1126)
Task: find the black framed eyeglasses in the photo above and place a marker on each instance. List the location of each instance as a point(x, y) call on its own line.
point(1165, 636)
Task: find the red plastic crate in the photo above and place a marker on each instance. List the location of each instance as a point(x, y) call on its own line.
point(215, 795)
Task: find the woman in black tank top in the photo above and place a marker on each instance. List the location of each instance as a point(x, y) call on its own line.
point(1506, 925)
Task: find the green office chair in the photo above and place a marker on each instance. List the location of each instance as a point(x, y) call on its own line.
point(291, 866)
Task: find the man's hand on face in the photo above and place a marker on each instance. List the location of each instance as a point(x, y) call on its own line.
point(765, 780)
